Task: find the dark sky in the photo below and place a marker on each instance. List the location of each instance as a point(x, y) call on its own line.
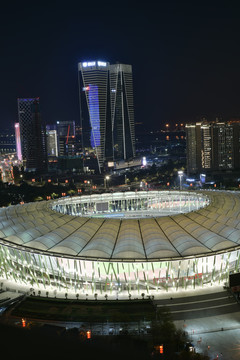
point(185, 56)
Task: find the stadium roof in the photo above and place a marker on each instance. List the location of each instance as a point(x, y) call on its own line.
point(213, 229)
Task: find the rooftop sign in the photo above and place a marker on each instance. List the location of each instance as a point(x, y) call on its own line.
point(93, 63)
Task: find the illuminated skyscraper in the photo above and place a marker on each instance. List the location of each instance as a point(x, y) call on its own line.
point(32, 134)
point(122, 111)
point(66, 138)
point(95, 113)
point(106, 110)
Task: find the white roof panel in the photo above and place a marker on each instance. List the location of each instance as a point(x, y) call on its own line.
point(210, 229)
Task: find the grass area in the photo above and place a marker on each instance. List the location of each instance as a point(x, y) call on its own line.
point(88, 310)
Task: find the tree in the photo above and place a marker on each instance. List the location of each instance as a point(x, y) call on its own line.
point(71, 192)
point(174, 340)
point(54, 195)
point(164, 332)
point(16, 174)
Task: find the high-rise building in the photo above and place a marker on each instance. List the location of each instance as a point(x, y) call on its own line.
point(193, 148)
point(223, 146)
point(212, 146)
point(32, 134)
point(78, 140)
point(122, 111)
point(95, 112)
point(206, 146)
point(106, 110)
point(66, 138)
point(52, 145)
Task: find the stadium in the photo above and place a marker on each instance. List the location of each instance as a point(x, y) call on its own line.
point(121, 244)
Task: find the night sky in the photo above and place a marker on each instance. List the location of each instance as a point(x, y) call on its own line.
point(185, 56)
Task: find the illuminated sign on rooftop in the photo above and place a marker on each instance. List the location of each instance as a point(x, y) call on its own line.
point(89, 63)
point(101, 63)
point(93, 63)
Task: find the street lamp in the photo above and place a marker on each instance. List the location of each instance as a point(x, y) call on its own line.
point(180, 174)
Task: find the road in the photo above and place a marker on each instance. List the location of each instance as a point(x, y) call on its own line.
point(212, 321)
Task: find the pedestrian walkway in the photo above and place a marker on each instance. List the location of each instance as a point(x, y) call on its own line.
point(204, 305)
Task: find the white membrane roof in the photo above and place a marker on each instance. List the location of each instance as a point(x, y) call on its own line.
point(37, 227)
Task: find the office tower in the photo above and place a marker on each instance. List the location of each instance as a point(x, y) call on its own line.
point(122, 111)
point(52, 144)
point(18, 141)
point(106, 110)
point(32, 134)
point(66, 138)
point(95, 112)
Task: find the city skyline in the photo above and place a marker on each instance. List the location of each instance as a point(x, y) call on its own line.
point(185, 58)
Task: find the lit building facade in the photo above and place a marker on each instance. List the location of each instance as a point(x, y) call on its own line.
point(7, 143)
point(95, 112)
point(52, 144)
point(206, 146)
point(223, 151)
point(212, 146)
point(122, 111)
point(32, 134)
point(66, 138)
point(106, 110)
point(193, 149)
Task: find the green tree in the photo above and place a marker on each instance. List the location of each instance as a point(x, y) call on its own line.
point(165, 332)
point(16, 174)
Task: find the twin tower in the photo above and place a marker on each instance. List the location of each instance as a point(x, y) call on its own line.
point(106, 110)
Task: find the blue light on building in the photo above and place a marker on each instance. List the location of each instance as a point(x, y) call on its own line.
point(94, 115)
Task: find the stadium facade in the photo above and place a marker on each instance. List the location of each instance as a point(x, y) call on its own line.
point(121, 243)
